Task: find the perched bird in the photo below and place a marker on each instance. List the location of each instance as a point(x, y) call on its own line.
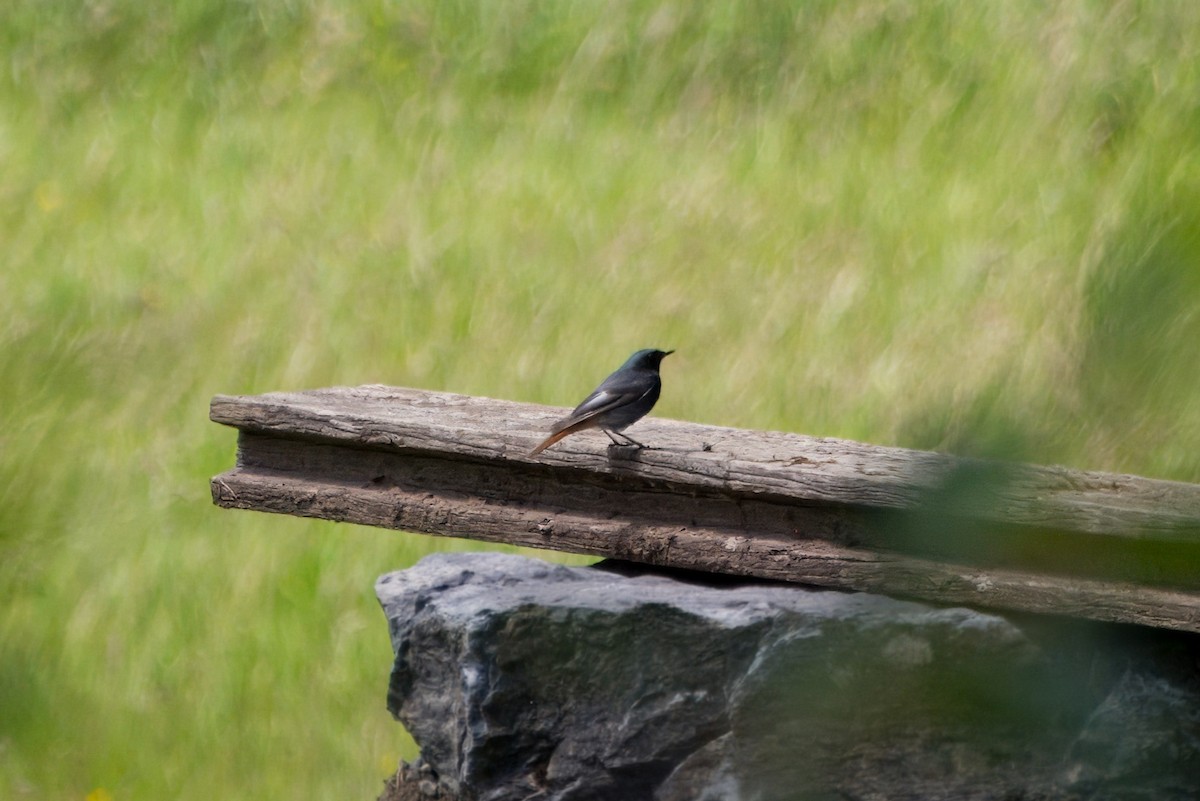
point(621, 400)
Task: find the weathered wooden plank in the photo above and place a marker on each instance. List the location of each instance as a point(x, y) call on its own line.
point(781, 506)
point(791, 466)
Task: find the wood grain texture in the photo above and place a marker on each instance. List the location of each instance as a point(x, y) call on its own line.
point(780, 506)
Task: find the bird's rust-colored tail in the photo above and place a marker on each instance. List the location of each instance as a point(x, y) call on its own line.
point(587, 422)
point(548, 441)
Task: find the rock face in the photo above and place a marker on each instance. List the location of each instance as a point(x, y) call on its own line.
point(525, 680)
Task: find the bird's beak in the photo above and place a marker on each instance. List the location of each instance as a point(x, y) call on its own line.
point(668, 353)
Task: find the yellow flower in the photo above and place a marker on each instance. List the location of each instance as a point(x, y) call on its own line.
point(48, 199)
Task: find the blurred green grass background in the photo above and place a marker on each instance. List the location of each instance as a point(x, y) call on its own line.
point(971, 227)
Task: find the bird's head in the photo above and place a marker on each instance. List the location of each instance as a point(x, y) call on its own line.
point(647, 359)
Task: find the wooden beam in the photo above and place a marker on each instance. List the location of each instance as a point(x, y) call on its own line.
point(773, 505)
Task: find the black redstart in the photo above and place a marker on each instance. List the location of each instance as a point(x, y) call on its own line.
point(621, 400)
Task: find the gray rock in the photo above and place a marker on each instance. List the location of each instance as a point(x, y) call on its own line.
point(525, 680)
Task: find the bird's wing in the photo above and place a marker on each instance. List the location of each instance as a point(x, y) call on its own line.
point(599, 402)
point(616, 391)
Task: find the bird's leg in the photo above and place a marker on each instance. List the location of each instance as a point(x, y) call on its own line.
point(628, 439)
point(615, 441)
